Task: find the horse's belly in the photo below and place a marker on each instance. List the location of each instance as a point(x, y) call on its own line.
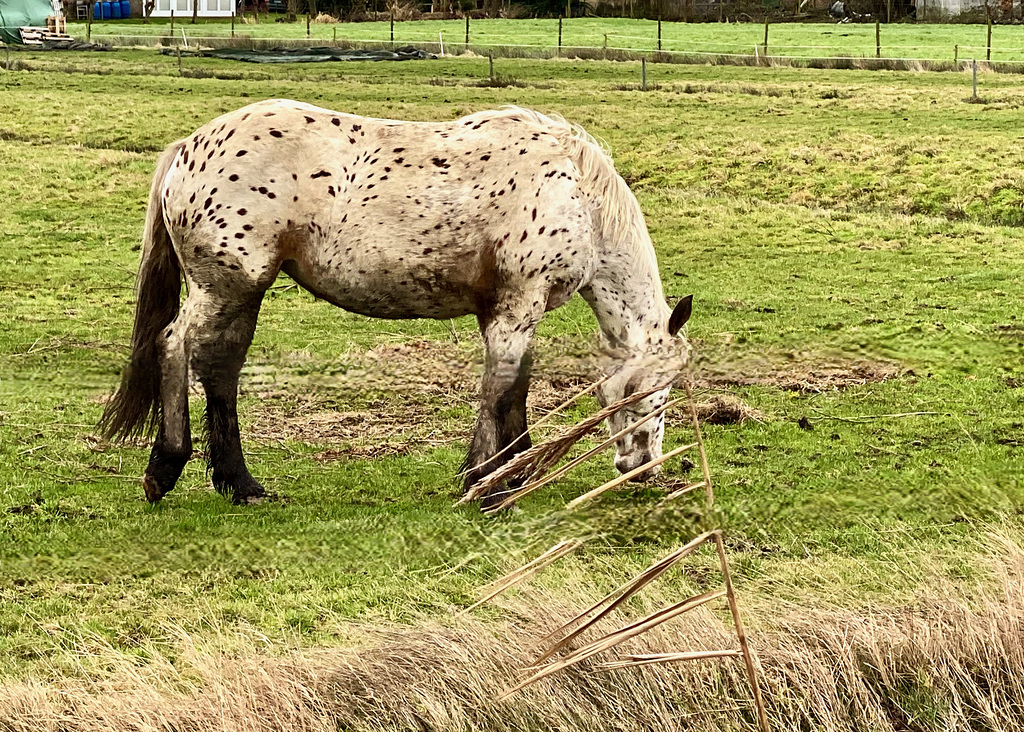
point(384, 290)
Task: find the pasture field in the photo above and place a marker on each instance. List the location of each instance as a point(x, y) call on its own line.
point(931, 41)
point(852, 239)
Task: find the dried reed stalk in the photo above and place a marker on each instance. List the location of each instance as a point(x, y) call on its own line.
point(647, 659)
point(540, 483)
point(541, 457)
point(684, 490)
point(539, 423)
point(613, 639)
point(556, 552)
point(628, 476)
point(618, 596)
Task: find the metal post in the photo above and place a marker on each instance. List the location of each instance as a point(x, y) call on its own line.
point(559, 36)
point(974, 78)
point(490, 66)
point(172, 25)
point(766, 35)
point(988, 50)
point(232, 19)
point(307, 25)
point(643, 74)
point(878, 39)
point(956, 54)
point(334, 37)
point(392, 28)
point(467, 28)
point(88, 22)
point(659, 34)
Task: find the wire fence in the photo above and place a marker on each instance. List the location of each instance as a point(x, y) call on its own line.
point(555, 37)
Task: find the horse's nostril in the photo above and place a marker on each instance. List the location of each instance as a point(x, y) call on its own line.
point(622, 465)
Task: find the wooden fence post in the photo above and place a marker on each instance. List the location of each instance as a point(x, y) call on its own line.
point(172, 25)
point(559, 36)
point(988, 49)
point(392, 28)
point(659, 33)
point(88, 22)
point(766, 36)
point(878, 39)
point(467, 28)
point(643, 74)
point(307, 25)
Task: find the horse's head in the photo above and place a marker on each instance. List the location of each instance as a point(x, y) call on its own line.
point(636, 375)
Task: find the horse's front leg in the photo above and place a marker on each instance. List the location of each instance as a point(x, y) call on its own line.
point(501, 425)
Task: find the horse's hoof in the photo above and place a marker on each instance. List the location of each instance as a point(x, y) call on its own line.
point(250, 494)
point(252, 500)
point(491, 504)
point(152, 488)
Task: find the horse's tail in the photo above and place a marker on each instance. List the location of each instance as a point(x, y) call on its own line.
point(135, 407)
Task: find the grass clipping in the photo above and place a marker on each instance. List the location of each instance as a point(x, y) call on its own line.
point(945, 664)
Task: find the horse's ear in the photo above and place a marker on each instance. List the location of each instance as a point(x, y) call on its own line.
point(680, 314)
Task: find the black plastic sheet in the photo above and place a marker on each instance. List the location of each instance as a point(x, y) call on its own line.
point(308, 55)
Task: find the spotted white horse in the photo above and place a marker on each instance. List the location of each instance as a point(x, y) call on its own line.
point(502, 214)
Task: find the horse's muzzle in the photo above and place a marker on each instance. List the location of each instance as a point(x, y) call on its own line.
point(625, 465)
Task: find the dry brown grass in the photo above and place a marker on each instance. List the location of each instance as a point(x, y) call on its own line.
point(415, 378)
point(942, 664)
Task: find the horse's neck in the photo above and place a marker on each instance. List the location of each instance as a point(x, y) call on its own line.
point(627, 299)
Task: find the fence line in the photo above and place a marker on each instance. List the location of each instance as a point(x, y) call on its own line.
point(728, 50)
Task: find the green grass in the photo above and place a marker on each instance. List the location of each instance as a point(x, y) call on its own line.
point(793, 40)
point(817, 216)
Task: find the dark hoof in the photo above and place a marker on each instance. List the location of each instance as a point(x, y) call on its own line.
point(153, 491)
point(490, 504)
point(249, 493)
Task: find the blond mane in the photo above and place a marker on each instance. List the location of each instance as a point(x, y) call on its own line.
point(622, 221)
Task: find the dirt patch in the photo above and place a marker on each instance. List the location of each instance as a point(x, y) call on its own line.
point(396, 398)
point(808, 375)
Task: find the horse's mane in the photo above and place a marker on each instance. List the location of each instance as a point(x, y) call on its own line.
point(621, 217)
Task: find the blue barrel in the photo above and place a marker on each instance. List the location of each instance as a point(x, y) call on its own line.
point(126, 9)
point(96, 11)
point(115, 10)
point(105, 10)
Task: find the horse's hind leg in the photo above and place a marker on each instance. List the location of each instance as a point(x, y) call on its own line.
point(217, 358)
point(501, 425)
point(173, 445)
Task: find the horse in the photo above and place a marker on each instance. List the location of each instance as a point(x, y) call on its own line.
point(502, 214)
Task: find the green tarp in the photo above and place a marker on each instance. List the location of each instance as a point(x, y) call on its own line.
point(16, 13)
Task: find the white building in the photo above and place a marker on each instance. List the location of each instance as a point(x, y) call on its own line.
point(183, 8)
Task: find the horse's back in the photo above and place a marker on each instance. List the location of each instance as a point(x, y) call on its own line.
point(387, 218)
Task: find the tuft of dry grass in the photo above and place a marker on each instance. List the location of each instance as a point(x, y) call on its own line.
point(939, 664)
point(725, 408)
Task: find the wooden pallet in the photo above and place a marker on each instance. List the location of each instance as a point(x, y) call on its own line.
point(37, 35)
